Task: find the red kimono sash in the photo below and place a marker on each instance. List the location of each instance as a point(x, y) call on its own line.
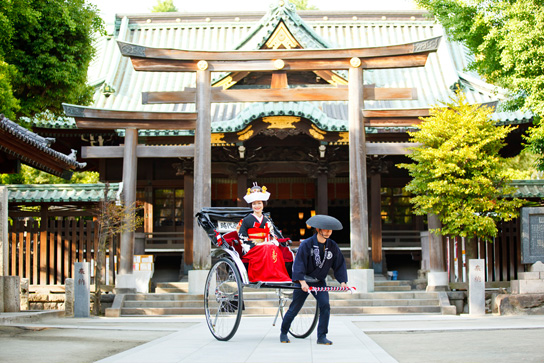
point(266, 263)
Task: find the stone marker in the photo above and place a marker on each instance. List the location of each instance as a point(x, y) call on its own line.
point(476, 287)
point(12, 301)
point(82, 291)
point(69, 297)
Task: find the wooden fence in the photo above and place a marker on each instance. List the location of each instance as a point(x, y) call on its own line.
point(45, 254)
point(502, 255)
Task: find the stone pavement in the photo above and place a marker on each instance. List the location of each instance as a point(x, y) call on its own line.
point(370, 338)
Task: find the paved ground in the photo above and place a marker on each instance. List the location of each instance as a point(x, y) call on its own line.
point(371, 338)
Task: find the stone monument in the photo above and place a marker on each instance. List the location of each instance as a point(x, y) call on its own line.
point(532, 235)
point(82, 290)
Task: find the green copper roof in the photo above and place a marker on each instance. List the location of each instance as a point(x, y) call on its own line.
point(528, 188)
point(61, 193)
point(282, 12)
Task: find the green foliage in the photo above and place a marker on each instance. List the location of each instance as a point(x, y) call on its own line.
point(164, 6)
point(457, 171)
point(507, 39)
point(48, 44)
point(9, 105)
point(521, 167)
point(29, 175)
point(303, 5)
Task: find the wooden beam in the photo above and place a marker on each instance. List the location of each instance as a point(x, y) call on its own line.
point(168, 65)
point(393, 148)
point(220, 95)
point(396, 113)
point(138, 51)
point(136, 124)
point(95, 118)
point(142, 151)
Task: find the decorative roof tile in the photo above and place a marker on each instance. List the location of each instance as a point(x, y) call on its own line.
point(62, 193)
point(31, 142)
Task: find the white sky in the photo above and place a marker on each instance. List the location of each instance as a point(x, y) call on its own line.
point(109, 8)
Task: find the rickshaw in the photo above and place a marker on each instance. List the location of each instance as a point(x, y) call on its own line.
point(223, 293)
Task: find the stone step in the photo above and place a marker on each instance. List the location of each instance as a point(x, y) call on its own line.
point(392, 283)
point(390, 297)
point(274, 303)
point(271, 295)
point(159, 297)
point(393, 288)
point(171, 287)
point(271, 311)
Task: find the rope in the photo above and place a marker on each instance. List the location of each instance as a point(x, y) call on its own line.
point(331, 288)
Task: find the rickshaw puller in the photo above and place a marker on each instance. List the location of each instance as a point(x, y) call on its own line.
point(315, 257)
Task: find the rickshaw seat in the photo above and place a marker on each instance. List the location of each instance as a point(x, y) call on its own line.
point(234, 241)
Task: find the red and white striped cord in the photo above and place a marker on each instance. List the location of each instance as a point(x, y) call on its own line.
point(331, 288)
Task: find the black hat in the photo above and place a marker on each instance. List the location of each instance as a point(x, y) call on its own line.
point(322, 221)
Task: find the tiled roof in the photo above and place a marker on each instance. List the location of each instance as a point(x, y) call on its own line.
point(528, 188)
point(434, 82)
point(38, 152)
point(61, 193)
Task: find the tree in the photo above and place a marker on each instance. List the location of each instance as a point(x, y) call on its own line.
point(458, 173)
point(164, 6)
point(303, 5)
point(113, 219)
point(45, 51)
point(30, 175)
point(507, 39)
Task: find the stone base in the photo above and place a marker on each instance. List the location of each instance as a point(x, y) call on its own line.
point(10, 294)
point(125, 284)
point(197, 281)
point(361, 279)
point(527, 286)
point(437, 281)
point(527, 304)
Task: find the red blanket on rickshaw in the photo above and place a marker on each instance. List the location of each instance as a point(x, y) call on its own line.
point(266, 263)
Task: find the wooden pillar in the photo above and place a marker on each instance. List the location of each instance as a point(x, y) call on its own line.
point(357, 169)
point(241, 189)
point(44, 220)
point(4, 240)
point(436, 247)
point(322, 200)
point(188, 215)
point(202, 165)
point(376, 217)
point(130, 164)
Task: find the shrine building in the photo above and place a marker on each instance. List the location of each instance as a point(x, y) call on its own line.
point(191, 109)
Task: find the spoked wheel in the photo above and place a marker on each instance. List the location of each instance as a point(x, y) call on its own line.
point(223, 299)
point(304, 323)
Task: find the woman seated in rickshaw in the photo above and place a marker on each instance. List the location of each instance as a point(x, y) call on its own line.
point(260, 242)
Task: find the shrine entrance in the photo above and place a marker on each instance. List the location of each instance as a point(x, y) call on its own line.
point(236, 149)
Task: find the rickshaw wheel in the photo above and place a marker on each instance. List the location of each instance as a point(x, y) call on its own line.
point(306, 320)
point(223, 300)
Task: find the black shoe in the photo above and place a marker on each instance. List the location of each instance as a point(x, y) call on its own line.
point(324, 341)
point(284, 338)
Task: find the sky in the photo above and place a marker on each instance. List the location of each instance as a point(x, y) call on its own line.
point(108, 8)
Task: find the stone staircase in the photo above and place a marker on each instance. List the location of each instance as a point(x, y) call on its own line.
point(389, 297)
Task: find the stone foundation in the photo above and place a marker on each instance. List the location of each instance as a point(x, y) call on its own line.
point(526, 304)
point(56, 301)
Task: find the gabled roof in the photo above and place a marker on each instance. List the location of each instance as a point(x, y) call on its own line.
point(61, 193)
point(35, 150)
point(282, 13)
point(119, 87)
